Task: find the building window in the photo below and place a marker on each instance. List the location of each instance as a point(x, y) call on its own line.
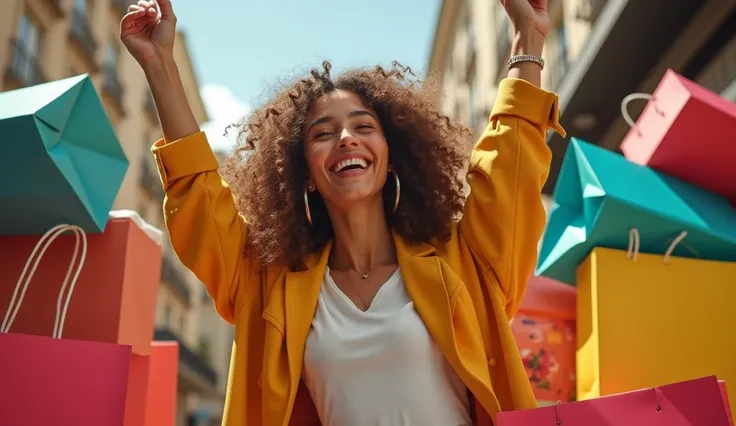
point(80, 6)
point(471, 85)
point(111, 59)
point(503, 38)
point(205, 349)
point(167, 316)
point(82, 31)
point(562, 61)
point(27, 51)
point(469, 29)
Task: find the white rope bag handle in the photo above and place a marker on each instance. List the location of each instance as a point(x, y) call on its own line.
point(23, 282)
point(634, 241)
point(625, 108)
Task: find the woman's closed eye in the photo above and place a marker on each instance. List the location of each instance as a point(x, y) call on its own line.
point(323, 134)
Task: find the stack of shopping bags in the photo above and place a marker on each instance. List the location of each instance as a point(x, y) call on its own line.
point(648, 239)
point(79, 282)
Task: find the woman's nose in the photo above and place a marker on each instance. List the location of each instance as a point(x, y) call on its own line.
point(347, 139)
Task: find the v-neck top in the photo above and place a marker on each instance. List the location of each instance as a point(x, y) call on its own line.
point(379, 367)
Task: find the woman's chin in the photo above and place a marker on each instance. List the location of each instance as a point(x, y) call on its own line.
point(351, 197)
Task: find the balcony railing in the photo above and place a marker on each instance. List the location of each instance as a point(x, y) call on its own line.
point(82, 34)
point(171, 274)
point(149, 179)
point(188, 357)
point(111, 86)
point(24, 67)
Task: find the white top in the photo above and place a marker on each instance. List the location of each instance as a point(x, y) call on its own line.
point(379, 367)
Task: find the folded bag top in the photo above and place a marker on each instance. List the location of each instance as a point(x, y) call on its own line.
point(600, 197)
point(60, 159)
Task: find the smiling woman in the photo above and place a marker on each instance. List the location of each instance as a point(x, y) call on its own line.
point(380, 117)
point(359, 295)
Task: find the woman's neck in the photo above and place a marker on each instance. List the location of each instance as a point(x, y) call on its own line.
point(362, 238)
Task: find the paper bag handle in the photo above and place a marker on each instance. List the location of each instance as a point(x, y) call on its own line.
point(625, 108)
point(634, 241)
point(23, 282)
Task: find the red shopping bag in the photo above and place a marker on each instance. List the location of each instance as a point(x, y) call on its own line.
point(115, 298)
point(53, 380)
point(544, 329)
point(684, 131)
point(162, 383)
point(695, 402)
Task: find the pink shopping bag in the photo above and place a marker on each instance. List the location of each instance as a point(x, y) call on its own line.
point(695, 402)
point(55, 381)
point(685, 131)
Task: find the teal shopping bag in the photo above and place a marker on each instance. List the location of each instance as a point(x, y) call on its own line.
point(60, 161)
point(600, 196)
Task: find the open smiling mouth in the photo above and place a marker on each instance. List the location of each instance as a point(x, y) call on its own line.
point(349, 167)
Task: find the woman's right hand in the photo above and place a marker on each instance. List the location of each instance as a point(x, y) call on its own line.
point(148, 31)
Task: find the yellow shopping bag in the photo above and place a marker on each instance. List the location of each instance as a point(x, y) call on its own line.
point(646, 320)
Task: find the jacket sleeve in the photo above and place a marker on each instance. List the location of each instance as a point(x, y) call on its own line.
point(206, 230)
point(504, 217)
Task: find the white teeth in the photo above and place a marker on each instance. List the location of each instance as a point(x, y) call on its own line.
point(350, 162)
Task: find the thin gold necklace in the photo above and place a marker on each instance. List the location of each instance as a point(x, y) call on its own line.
point(356, 288)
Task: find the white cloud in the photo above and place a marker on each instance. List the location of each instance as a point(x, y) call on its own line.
point(224, 109)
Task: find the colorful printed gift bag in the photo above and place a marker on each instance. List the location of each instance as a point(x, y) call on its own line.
point(694, 402)
point(600, 196)
point(686, 131)
point(60, 161)
point(544, 328)
point(647, 319)
point(115, 298)
point(54, 380)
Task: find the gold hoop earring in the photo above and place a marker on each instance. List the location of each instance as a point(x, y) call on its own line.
point(398, 189)
point(306, 203)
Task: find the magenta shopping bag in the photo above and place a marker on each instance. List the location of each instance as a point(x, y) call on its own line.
point(695, 402)
point(686, 131)
point(54, 381)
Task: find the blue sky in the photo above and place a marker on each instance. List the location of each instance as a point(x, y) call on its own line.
point(241, 47)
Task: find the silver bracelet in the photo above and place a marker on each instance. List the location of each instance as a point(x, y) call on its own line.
point(525, 58)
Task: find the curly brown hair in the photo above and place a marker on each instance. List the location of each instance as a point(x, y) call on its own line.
point(267, 170)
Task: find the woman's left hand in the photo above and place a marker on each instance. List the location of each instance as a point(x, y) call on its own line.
point(528, 15)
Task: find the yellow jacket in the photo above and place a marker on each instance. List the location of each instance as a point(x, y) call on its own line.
point(465, 290)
